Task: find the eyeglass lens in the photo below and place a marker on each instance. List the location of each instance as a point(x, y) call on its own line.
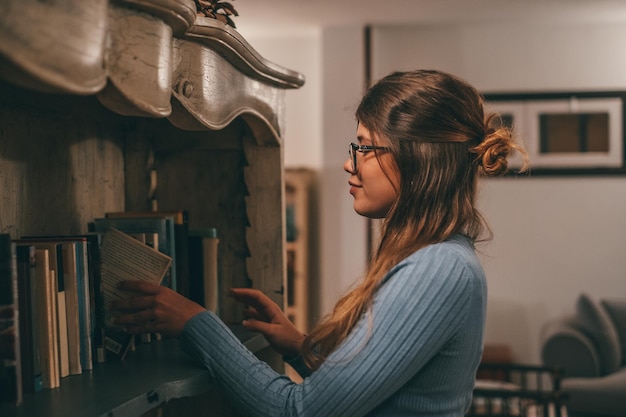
point(352, 153)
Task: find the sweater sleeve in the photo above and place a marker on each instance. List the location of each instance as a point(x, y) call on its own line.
point(418, 308)
point(299, 366)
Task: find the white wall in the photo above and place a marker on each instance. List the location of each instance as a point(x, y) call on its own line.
point(343, 232)
point(301, 51)
point(510, 56)
point(554, 237)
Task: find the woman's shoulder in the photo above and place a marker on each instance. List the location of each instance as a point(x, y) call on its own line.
point(453, 259)
point(448, 270)
point(458, 247)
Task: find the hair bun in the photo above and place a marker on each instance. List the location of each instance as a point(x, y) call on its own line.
point(494, 151)
point(494, 154)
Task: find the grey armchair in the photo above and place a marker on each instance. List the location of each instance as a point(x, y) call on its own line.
point(590, 347)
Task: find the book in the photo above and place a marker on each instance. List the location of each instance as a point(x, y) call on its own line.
point(180, 260)
point(56, 268)
point(64, 357)
point(122, 258)
point(161, 228)
point(85, 314)
point(71, 306)
point(11, 387)
point(203, 268)
point(94, 241)
point(28, 310)
point(46, 294)
point(59, 321)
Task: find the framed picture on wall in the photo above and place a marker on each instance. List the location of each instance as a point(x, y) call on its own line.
point(566, 133)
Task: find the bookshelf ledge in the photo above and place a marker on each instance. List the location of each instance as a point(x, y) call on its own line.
point(131, 387)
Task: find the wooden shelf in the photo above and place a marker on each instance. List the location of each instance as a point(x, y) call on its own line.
point(131, 387)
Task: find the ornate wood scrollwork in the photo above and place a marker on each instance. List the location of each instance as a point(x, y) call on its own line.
point(146, 58)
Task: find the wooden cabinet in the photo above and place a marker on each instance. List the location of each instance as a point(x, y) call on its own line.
point(140, 105)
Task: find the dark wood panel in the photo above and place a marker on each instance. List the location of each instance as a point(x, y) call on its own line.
point(61, 162)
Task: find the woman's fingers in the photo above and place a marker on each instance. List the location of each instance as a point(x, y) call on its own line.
point(144, 287)
point(248, 296)
point(257, 325)
point(132, 303)
point(142, 316)
point(153, 308)
point(266, 317)
point(144, 327)
point(141, 295)
point(252, 313)
point(256, 299)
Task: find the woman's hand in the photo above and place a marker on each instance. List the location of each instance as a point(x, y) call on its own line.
point(265, 316)
point(154, 309)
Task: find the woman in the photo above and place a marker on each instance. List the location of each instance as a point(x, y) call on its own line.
point(408, 339)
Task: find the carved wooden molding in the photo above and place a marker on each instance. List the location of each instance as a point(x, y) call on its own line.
point(233, 46)
point(54, 46)
point(178, 14)
point(147, 58)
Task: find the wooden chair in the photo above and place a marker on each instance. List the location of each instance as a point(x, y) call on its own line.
point(505, 390)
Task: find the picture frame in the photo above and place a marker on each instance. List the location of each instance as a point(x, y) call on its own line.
point(565, 133)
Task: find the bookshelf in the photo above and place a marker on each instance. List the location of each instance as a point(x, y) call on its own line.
point(300, 189)
point(140, 105)
point(301, 248)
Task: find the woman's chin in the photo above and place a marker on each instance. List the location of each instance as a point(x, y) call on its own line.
point(369, 213)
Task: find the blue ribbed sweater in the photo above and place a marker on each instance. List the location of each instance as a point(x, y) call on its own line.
point(415, 356)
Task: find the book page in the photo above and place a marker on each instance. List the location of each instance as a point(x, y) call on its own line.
point(125, 258)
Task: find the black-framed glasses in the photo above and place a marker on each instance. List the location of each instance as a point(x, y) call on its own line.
point(353, 148)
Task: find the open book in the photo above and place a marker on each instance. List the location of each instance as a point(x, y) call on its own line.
point(123, 258)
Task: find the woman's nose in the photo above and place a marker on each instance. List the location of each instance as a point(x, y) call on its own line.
point(347, 166)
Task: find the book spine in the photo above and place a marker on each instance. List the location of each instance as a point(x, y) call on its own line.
point(61, 309)
point(47, 341)
point(35, 311)
point(71, 308)
point(91, 304)
point(53, 322)
point(96, 301)
point(195, 269)
point(11, 386)
point(181, 243)
point(170, 241)
point(211, 280)
point(84, 303)
point(29, 310)
point(204, 286)
point(64, 357)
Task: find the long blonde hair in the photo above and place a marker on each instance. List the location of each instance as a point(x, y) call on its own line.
point(440, 140)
